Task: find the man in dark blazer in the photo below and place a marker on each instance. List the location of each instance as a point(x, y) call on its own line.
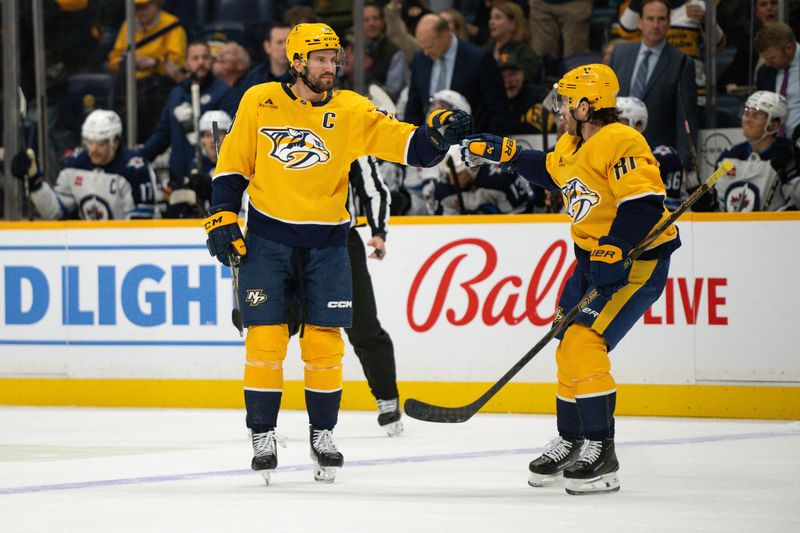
point(468, 69)
point(778, 47)
point(667, 87)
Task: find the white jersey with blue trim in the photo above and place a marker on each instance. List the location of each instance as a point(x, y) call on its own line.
point(124, 189)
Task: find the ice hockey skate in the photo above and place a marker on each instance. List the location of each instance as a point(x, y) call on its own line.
point(327, 458)
point(596, 470)
point(389, 416)
point(559, 454)
point(265, 453)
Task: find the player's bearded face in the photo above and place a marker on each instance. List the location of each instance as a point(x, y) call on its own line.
point(101, 152)
point(320, 70)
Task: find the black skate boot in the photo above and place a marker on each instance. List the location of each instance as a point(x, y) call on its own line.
point(559, 454)
point(327, 458)
point(389, 416)
point(265, 453)
point(596, 471)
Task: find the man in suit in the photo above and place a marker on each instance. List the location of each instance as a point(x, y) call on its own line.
point(663, 78)
point(444, 62)
point(778, 47)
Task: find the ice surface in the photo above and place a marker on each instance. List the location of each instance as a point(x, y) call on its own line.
point(101, 470)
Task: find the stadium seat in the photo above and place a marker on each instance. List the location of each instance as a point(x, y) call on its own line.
point(191, 13)
point(85, 93)
point(576, 60)
point(225, 31)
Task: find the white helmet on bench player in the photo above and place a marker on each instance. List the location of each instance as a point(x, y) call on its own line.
point(634, 111)
point(101, 125)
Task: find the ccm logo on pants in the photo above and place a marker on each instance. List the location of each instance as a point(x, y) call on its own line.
point(340, 304)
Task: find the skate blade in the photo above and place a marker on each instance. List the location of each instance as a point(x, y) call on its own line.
point(603, 484)
point(266, 474)
point(325, 474)
point(540, 480)
point(393, 429)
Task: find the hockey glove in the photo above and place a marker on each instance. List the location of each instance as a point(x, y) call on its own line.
point(24, 166)
point(606, 270)
point(224, 235)
point(448, 127)
point(486, 148)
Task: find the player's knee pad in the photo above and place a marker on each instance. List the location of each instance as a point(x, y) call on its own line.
point(266, 349)
point(584, 354)
point(564, 388)
point(322, 350)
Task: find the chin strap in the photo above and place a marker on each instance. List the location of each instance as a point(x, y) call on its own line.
point(580, 123)
point(310, 85)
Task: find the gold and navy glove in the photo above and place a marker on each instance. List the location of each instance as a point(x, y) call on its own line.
point(606, 265)
point(224, 234)
point(451, 127)
point(484, 148)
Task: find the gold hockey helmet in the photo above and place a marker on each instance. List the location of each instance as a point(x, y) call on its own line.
point(596, 83)
point(308, 37)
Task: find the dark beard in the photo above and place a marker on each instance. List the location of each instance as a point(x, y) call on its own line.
point(316, 87)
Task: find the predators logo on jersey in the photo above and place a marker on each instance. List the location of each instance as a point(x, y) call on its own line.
point(580, 199)
point(598, 176)
point(295, 148)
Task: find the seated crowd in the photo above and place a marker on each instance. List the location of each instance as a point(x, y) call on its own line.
point(495, 59)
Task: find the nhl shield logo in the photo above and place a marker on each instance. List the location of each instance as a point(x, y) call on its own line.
point(297, 149)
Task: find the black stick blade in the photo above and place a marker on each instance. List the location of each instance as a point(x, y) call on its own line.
point(236, 318)
point(434, 413)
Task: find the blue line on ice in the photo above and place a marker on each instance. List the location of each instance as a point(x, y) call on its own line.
point(386, 461)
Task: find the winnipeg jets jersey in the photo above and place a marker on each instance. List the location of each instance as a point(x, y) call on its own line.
point(123, 189)
point(672, 174)
point(753, 180)
point(597, 176)
point(297, 156)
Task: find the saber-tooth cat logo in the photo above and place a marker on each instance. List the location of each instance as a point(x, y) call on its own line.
point(255, 297)
point(296, 148)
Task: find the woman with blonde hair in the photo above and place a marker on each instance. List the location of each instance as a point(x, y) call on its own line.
point(510, 36)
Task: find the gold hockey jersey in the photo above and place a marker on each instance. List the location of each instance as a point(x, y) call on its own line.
point(297, 154)
point(596, 177)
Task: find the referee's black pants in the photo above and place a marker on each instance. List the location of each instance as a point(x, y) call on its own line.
point(372, 344)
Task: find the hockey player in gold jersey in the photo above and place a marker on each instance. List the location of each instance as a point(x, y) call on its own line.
point(291, 146)
point(613, 192)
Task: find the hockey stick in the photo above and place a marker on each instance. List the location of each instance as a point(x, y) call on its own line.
point(434, 413)
point(236, 314)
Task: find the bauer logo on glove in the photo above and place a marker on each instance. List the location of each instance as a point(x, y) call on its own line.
point(486, 148)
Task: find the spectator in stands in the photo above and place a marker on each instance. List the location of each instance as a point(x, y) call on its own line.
point(554, 21)
point(232, 67)
point(389, 67)
point(663, 78)
point(298, 14)
point(524, 98)
point(765, 172)
point(102, 181)
point(232, 64)
point(478, 27)
point(175, 127)
point(396, 29)
point(687, 20)
point(778, 47)
point(456, 22)
point(160, 50)
point(276, 65)
point(741, 34)
point(447, 63)
point(509, 35)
